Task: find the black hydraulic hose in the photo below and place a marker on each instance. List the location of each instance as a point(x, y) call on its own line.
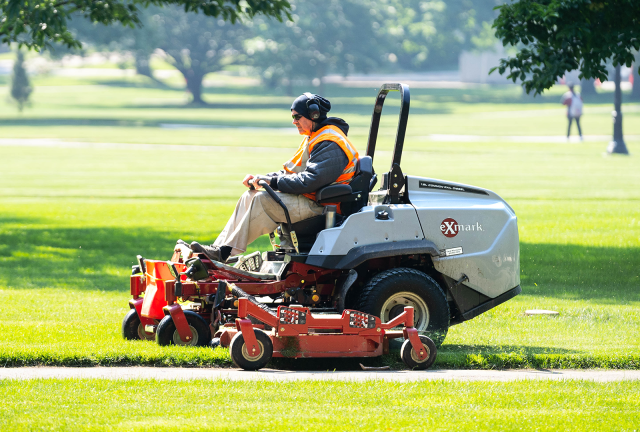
point(240, 293)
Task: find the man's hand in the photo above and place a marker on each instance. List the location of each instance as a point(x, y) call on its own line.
point(246, 180)
point(252, 180)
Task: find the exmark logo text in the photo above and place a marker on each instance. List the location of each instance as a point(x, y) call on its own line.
point(451, 228)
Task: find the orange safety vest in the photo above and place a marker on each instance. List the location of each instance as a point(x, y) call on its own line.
point(298, 162)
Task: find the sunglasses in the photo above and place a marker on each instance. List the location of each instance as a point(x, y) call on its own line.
point(296, 117)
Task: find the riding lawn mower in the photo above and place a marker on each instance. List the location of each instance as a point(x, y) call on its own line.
point(405, 261)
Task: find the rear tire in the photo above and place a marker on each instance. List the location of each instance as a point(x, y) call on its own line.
point(386, 294)
point(167, 334)
point(132, 328)
point(410, 357)
point(241, 356)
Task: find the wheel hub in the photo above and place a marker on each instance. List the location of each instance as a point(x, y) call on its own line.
point(395, 305)
point(414, 355)
point(193, 341)
point(251, 357)
point(143, 334)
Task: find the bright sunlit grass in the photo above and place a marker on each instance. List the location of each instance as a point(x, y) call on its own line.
point(318, 405)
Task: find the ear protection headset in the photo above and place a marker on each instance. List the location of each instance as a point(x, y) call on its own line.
point(312, 106)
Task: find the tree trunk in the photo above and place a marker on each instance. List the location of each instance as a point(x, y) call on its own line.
point(587, 87)
point(194, 86)
point(617, 145)
point(635, 91)
point(20, 87)
point(142, 64)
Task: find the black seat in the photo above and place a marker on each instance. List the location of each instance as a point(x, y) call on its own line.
point(352, 197)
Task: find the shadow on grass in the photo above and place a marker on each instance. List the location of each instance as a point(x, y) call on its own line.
point(77, 258)
point(493, 349)
point(239, 123)
point(81, 258)
point(606, 274)
point(391, 360)
point(475, 357)
point(100, 258)
point(345, 108)
point(460, 355)
point(499, 94)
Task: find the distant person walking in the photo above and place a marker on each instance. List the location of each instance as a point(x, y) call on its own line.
point(573, 101)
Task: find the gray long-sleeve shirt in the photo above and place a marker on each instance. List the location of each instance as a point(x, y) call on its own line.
point(326, 163)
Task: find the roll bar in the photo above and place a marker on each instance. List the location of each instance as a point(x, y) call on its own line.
point(394, 180)
point(402, 122)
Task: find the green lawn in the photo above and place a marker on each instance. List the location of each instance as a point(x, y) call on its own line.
point(72, 219)
point(317, 405)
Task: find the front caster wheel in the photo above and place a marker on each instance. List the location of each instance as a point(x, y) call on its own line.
point(241, 356)
point(132, 328)
point(167, 334)
point(410, 357)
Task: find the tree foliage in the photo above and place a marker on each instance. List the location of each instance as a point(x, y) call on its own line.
point(197, 45)
point(369, 35)
point(39, 23)
point(556, 36)
point(322, 37)
point(20, 87)
point(140, 41)
point(431, 34)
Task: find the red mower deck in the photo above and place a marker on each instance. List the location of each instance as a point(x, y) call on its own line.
point(296, 333)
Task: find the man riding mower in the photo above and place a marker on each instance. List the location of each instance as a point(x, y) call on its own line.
point(325, 157)
point(439, 251)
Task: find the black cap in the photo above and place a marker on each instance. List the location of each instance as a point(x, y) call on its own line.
point(301, 102)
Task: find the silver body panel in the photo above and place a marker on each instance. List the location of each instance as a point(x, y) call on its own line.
point(485, 229)
point(475, 230)
point(363, 228)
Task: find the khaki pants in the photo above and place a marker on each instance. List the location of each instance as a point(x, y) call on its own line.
point(257, 213)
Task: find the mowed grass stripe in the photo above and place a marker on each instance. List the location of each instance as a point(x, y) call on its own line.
point(528, 171)
point(374, 405)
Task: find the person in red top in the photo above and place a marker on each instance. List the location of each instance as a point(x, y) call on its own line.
point(325, 156)
point(573, 101)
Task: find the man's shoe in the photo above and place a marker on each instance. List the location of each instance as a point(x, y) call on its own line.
point(211, 252)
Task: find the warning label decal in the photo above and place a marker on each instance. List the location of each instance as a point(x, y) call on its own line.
point(451, 187)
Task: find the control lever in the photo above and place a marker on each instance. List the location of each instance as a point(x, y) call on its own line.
point(174, 272)
point(264, 184)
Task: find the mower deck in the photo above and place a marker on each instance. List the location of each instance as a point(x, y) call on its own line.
point(296, 333)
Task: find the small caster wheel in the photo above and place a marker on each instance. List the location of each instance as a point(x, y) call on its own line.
point(215, 343)
point(410, 357)
point(167, 334)
point(132, 328)
point(241, 356)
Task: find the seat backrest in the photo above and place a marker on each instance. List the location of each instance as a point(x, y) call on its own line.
point(360, 185)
